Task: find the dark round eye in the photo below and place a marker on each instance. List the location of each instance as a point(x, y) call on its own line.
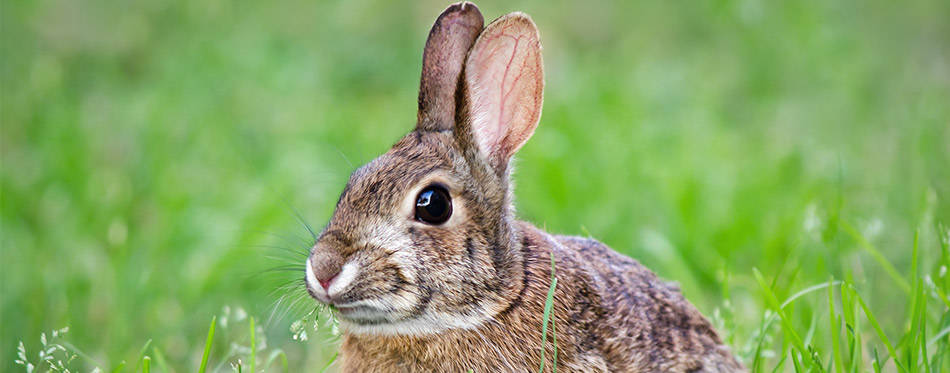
point(433, 206)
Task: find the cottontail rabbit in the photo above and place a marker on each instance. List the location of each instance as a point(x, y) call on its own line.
point(428, 267)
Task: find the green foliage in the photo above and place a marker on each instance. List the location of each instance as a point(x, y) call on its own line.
point(157, 156)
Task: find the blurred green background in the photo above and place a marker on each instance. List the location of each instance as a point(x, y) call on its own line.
point(150, 149)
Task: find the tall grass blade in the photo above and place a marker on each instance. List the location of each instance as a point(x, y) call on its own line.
point(548, 306)
point(204, 357)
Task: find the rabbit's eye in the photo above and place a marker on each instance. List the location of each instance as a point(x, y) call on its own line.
point(433, 206)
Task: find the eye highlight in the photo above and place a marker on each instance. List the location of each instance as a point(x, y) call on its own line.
point(433, 205)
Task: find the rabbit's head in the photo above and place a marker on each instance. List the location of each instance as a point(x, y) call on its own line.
point(423, 238)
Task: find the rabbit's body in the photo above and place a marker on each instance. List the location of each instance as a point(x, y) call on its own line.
point(612, 314)
point(428, 267)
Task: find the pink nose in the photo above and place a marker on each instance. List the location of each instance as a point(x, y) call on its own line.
point(325, 282)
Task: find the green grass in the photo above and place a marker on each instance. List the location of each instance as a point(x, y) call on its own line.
point(546, 315)
point(153, 155)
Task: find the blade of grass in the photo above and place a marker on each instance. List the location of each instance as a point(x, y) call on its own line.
point(146, 362)
point(548, 306)
point(204, 357)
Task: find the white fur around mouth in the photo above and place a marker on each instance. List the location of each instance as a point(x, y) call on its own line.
point(312, 284)
point(343, 280)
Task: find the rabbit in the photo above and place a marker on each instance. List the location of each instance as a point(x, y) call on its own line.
point(428, 269)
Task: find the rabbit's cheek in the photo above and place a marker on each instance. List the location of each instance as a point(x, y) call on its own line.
point(376, 279)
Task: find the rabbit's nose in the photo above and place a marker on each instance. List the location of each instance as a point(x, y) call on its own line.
point(325, 264)
point(325, 282)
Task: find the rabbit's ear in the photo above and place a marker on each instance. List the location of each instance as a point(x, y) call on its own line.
point(449, 40)
point(502, 88)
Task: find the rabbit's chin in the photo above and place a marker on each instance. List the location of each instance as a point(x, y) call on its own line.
point(418, 326)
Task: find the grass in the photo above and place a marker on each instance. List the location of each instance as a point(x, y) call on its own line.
point(546, 315)
point(788, 163)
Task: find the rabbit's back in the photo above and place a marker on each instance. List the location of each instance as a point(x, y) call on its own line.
point(647, 323)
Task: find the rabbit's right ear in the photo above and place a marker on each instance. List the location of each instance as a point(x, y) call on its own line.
point(449, 40)
point(502, 89)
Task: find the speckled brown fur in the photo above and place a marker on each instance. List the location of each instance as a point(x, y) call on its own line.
point(469, 294)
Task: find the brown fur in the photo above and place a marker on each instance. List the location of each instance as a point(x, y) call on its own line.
point(469, 294)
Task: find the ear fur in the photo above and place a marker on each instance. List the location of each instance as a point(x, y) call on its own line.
point(502, 92)
point(450, 38)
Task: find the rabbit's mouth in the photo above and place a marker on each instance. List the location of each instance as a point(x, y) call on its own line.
point(363, 315)
point(360, 314)
point(373, 311)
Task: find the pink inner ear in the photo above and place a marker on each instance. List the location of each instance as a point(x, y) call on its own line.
point(506, 82)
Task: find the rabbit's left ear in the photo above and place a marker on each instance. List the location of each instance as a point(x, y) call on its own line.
point(449, 40)
point(503, 83)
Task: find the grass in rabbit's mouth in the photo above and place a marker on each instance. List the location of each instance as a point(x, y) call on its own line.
point(776, 159)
